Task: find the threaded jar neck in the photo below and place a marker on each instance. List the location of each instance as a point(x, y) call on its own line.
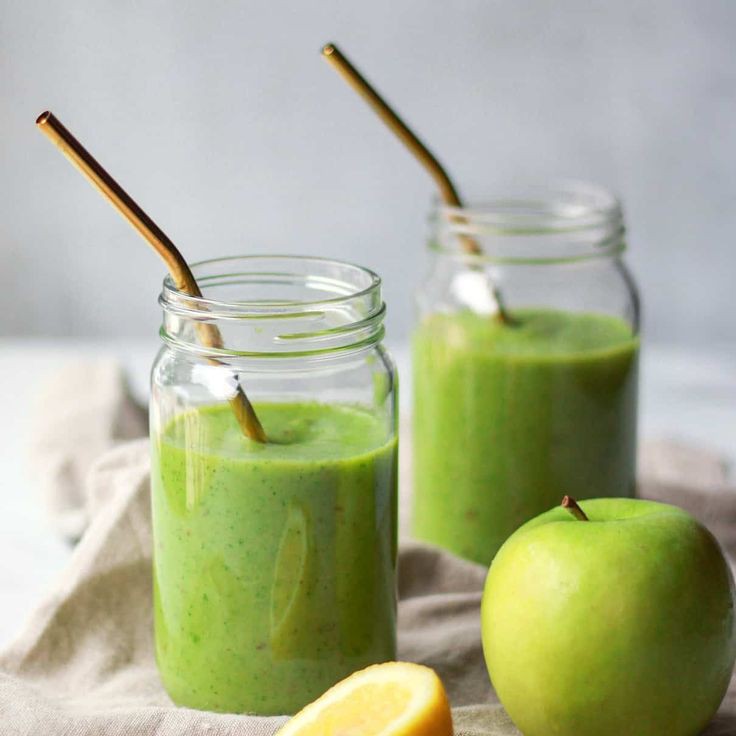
point(563, 222)
point(276, 307)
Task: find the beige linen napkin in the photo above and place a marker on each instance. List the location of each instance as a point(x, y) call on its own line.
point(84, 664)
point(82, 410)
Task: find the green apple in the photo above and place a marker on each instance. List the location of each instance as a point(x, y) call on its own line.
point(615, 617)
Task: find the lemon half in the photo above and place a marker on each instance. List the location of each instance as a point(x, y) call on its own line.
point(391, 699)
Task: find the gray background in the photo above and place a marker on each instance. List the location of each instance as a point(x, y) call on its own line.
point(223, 121)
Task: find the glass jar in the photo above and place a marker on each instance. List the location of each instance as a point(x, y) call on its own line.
point(274, 564)
point(511, 415)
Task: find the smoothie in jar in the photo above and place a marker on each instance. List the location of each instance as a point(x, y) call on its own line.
point(508, 419)
point(274, 564)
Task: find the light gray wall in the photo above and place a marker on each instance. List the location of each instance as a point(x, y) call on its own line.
point(225, 123)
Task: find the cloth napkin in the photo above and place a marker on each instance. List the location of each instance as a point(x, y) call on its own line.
point(84, 663)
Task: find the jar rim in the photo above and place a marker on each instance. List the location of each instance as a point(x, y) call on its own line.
point(559, 205)
point(227, 307)
point(294, 306)
point(588, 218)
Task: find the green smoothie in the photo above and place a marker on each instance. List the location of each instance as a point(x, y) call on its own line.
point(507, 420)
point(274, 565)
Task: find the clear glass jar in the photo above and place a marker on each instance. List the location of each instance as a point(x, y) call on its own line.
point(274, 564)
point(509, 417)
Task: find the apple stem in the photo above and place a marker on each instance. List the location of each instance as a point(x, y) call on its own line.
point(571, 505)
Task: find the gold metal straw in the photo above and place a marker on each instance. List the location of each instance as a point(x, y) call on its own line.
point(180, 272)
point(426, 158)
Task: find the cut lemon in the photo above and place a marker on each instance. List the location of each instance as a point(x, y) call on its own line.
point(391, 699)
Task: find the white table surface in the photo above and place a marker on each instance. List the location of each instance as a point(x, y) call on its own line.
point(686, 395)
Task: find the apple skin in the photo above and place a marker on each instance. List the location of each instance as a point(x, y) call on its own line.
point(618, 626)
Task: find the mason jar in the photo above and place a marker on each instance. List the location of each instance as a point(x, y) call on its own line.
point(274, 563)
point(524, 364)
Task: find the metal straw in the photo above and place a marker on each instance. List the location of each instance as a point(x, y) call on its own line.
point(180, 272)
point(426, 158)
